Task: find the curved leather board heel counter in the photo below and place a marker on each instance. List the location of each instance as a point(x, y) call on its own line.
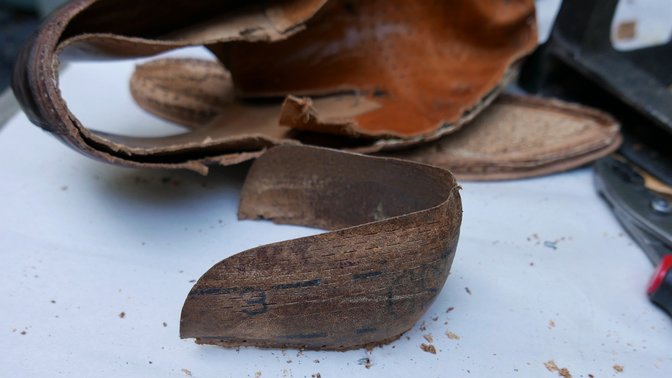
point(396, 230)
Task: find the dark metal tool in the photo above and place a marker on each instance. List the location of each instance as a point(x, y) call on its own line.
point(580, 45)
point(579, 63)
point(645, 215)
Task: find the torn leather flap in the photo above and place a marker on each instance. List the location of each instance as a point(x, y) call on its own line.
point(522, 136)
point(395, 229)
point(437, 65)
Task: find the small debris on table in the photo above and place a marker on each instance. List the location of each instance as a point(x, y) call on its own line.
point(467, 290)
point(551, 324)
point(429, 338)
point(551, 244)
point(565, 373)
point(256, 374)
point(450, 309)
point(552, 367)
point(452, 336)
point(618, 368)
point(429, 348)
point(122, 315)
point(165, 324)
point(187, 372)
point(366, 361)
point(316, 375)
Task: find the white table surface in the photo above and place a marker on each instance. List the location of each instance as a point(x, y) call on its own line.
point(82, 242)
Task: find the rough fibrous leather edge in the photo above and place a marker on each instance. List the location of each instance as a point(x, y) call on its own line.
point(396, 230)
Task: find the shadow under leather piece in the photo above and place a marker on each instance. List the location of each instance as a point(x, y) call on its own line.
point(186, 213)
point(166, 189)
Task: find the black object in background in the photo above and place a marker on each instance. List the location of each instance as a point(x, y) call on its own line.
point(15, 28)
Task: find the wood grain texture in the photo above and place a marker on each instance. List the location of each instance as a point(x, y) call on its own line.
point(396, 227)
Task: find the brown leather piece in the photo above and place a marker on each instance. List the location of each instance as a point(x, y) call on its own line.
point(427, 63)
point(497, 34)
point(515, 137)
point(395, 230)
point(520, 136)
point(114, 29)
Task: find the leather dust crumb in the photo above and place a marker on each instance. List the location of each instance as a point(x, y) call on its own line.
point(257, 374)
point(467, 290)
point(316, 375)
point(452, 336)
point(429, 348)
point(551, 324)
point(618, 368)
point(187, 372)
point(564, 373)
point(552, 367)
point(429, 338)
point(423, 327)
point(122, 315)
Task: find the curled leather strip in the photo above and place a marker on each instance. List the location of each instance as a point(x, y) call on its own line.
point(395, 230)
point(420, 69)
